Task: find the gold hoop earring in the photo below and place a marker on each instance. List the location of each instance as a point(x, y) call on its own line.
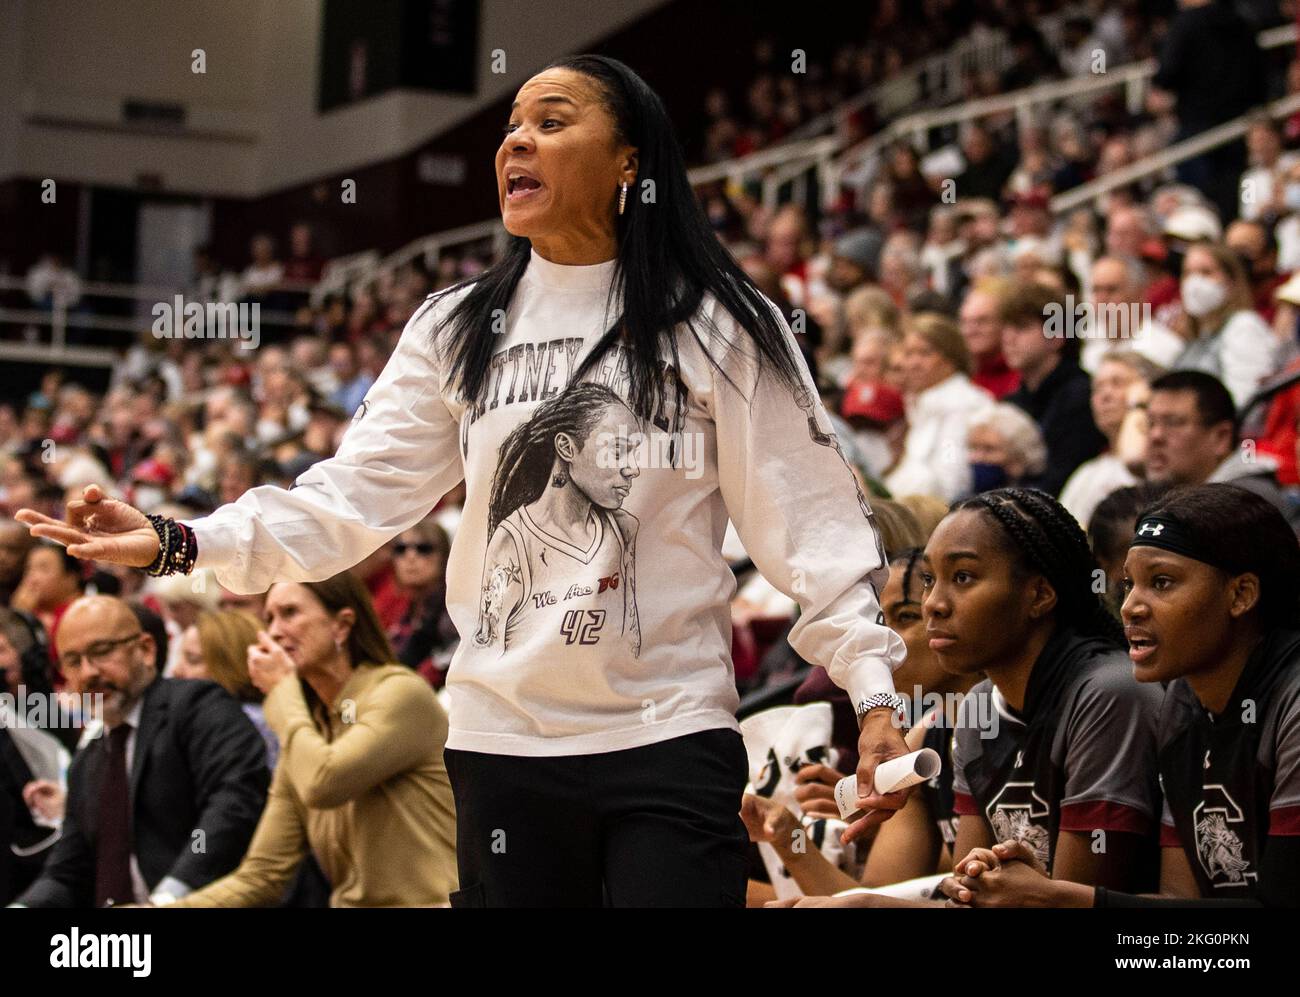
point(622, 199)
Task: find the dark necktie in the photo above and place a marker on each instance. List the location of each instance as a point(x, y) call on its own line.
point(113, 848)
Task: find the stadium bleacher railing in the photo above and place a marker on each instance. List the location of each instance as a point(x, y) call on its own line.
point(806, 162)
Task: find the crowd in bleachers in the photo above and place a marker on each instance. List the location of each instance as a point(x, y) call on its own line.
point(924, 301)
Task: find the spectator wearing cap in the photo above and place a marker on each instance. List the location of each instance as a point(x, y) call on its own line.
point(1005, 449)
point(1121, 381)
point(1054, 389)
point(940, 402)
point(1226, 338)
point(855, 260)
point(981, 329)
point(854, 264)
point(870, 405)
point(1119, 320)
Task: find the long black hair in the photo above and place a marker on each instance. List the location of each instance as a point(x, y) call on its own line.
point(1241, 532)
point(668, 258)
point(1047, 540)
point(520, 476)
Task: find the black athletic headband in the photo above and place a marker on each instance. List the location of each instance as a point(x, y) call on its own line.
point(1171, 535)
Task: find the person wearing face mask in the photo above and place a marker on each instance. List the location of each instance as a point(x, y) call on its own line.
point(1226, 337)
point(1005, 448)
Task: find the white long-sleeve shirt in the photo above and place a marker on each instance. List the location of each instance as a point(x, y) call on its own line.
point(934, 460)
point(596, 616)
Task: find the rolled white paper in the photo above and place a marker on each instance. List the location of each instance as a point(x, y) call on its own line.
point(891, 776)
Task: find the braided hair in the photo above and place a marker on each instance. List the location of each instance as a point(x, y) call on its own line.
point(526, 457)
point(1050, 542)
point(909, 559)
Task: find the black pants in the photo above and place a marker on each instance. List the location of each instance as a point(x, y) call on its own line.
point(652, 826)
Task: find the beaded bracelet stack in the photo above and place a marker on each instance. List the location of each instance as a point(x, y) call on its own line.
point(177, 547)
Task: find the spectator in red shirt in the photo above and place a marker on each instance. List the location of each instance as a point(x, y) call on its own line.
point(303, 265)
point(981, 328)
point(52, 580)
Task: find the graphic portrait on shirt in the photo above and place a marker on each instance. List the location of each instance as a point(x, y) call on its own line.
point(561, 550)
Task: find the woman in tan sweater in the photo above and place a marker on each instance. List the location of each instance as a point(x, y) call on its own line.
point(361, 780)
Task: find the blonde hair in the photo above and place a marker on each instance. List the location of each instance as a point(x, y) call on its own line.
point(929, 510)
point(225, 637)
point(872, 306)
point(898, 528)
point(944, 336)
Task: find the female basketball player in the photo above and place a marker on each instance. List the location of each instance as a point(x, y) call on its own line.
point(1212, 609)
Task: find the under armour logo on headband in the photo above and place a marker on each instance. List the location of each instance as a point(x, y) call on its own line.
point(1151, 529)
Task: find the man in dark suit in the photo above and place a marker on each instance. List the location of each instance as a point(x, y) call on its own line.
point(165, 799)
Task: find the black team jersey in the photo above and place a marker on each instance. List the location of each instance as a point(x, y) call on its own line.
point(1232, 780)
point(1080, 757)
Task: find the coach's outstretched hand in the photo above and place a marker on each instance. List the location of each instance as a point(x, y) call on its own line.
point(98, 529)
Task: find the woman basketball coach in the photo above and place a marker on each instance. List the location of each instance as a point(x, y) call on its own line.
point(611, 391)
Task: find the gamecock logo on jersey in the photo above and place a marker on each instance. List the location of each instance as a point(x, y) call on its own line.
point(1218, 846)
point(1021, 814)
